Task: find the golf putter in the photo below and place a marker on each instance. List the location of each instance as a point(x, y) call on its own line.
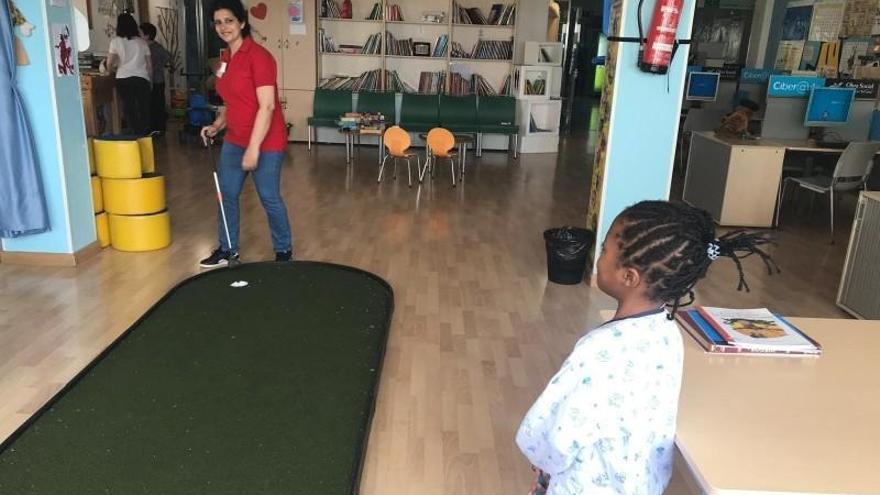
point(233, 262)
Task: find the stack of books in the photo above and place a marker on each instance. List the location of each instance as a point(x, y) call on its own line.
point(349, 121)
point(746, 331)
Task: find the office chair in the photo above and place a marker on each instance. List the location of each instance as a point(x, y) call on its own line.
point(851, 173)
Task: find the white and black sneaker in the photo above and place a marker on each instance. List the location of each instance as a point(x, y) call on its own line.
point(218, 258)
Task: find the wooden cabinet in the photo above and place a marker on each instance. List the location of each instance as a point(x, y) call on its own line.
point(297, 107)
point(294, 54)
point(97, 91)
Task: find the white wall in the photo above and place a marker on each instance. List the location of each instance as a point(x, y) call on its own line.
point(531, 25)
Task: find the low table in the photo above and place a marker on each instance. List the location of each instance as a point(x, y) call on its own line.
point(462, 140)
point(351, 133)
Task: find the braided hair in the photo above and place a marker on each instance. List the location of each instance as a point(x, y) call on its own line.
point(673, 244)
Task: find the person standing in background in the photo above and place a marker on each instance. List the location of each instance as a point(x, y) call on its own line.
point(129, 57)
point(159, 56)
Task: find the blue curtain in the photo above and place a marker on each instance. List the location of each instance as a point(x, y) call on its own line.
point(22, 202)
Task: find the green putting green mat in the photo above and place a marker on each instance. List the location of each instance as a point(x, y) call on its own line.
point(262, 389)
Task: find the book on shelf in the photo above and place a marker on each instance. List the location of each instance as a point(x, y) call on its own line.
point(505, 86)
point(432, 83)
point(330, 9)
point(373, 45)
point(535, 87)
point(745, 331)
point(351, 49)
point(326, 42)
point(459, 85)
point(499, 15)
point(440, 46)
point(544, 57)
point(394, 13)
point(375, 13)
point(481, 86)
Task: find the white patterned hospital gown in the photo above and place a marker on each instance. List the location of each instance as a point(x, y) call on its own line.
point(605, 424)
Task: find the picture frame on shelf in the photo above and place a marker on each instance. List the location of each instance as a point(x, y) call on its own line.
point(421, 48)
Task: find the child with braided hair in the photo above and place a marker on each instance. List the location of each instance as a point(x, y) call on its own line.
point(605, 423)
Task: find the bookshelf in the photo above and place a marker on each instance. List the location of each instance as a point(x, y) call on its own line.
point(396, 63)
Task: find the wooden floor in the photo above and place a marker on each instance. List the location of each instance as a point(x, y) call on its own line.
point(477, 330)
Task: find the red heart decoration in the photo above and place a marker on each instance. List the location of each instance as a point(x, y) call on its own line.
point(259, 11)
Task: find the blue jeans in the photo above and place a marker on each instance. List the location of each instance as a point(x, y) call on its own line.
point(267, 179)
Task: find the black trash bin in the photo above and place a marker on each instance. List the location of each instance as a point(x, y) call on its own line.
point(568, 249)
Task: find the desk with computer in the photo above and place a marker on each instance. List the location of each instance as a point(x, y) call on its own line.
point(737, 178)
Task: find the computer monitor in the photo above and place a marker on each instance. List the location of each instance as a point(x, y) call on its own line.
point(702, 86)
point(829, 106)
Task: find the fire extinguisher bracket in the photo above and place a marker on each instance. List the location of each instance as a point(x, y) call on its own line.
point(657, 47)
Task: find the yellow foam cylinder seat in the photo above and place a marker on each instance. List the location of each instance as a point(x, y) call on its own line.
point(90, 143)
point(148, 159)
point(134, 196)
point(140, 232)
point(117, 159)
point(102, 225)
point(97, 195)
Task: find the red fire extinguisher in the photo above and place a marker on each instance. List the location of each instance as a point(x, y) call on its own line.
point(656, 53)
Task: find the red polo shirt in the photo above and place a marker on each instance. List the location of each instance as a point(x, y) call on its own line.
point(251, 67)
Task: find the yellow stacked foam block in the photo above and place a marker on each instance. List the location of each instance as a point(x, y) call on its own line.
point(117, 159)
point(90, 143)
point(97, 195)
point(140, 232)
point(133, 195)
point(148, 159)
point(102, 226)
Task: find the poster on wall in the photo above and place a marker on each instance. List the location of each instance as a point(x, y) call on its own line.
point(22, 28)
point(810, 56)
point(297, 17)
point(827, 20)
point(829, 59)
point(62, 50)
point(875, 25)
point(850, 53)
point(796, 23)
point(788, 58)
point(858, 18)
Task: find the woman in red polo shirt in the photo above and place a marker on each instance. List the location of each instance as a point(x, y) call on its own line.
point(256, 136)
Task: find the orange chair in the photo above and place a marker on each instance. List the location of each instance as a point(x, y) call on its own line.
point(397, 143)
point(441, 143)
